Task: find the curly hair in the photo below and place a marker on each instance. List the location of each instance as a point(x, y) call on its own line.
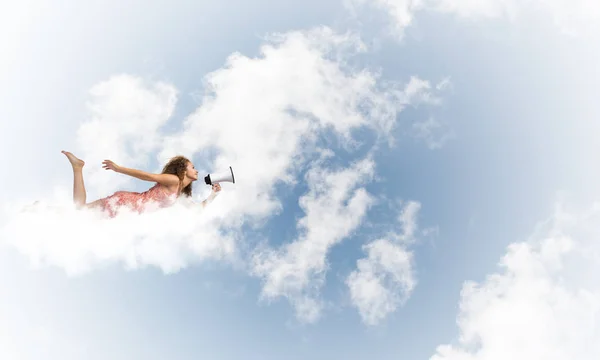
point(177, 166)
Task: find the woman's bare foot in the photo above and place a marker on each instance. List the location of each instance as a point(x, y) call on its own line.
point(75, 162)
point(79, 195)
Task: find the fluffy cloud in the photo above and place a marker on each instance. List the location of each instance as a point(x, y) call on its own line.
point(274, 118)
point(385, 278)
point(572, 17)
point(54, 233)
point(544, 303)
point(126, 117)
point(334, 206)
point(264, 115)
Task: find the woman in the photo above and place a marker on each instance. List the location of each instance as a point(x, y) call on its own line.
point(176, 178)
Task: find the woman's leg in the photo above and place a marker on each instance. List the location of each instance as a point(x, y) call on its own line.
point(79, 195)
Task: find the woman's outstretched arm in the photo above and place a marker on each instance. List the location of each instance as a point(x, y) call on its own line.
point(215, 191)
point(163, 179)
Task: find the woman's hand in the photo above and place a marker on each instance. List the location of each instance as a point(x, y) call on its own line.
point(216, 187)
point(109, 165)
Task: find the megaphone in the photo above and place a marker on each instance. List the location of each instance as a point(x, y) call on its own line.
point(220, 177)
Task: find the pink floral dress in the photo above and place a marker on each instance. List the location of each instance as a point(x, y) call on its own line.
point(155, 196)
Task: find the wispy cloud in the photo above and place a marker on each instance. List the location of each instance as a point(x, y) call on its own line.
point(433, 132)
point(385, 279)
point(544, 301)
point(401, 12)
point(571, 17)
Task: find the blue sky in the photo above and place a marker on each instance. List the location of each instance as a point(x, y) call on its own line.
point(478, 122)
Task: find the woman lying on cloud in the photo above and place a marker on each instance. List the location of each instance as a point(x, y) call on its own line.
point(175, 179)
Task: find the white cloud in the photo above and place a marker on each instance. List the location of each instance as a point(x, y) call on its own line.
point(334, 206)
point(401, 12)
point(544, 302)
point(572, 17)
point(385, 278)
point(280, 103)
point(126, 117)
point(80, 241)
point(477, 9)
point(408, 221)
point(265, 117)
point(434, 133)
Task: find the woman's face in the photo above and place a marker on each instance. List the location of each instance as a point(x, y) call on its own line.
point(191, 172)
